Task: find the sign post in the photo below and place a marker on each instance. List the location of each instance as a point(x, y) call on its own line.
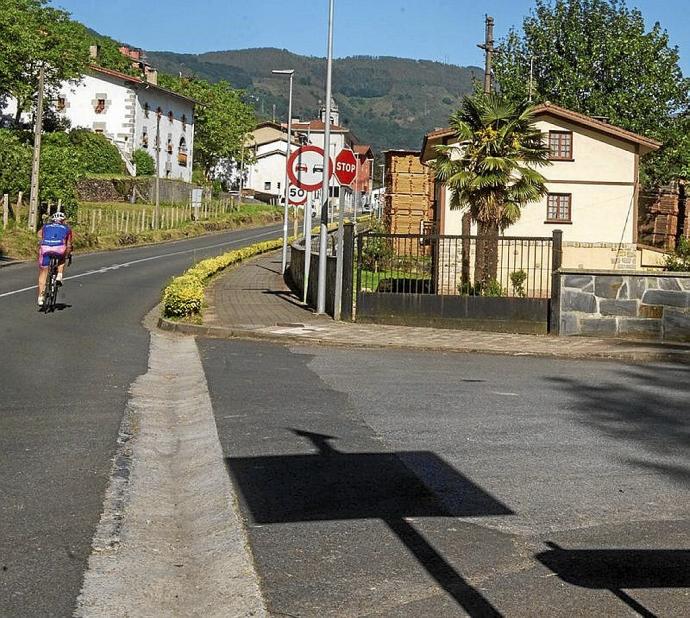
point(345, 172)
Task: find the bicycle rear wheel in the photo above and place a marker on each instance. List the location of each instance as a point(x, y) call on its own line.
point(50, 297)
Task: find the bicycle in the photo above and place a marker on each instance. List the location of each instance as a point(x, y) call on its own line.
point(50, 292)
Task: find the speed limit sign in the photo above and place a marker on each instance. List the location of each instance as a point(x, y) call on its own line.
point(296, 195)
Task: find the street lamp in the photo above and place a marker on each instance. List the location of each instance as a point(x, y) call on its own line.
point(291, 73)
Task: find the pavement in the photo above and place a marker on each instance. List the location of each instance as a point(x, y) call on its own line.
point(253, 301)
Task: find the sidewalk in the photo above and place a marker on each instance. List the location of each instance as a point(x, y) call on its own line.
point(252, 301)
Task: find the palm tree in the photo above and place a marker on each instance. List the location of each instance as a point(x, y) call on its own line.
point(491, 170)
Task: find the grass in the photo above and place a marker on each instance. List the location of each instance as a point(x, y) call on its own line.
point(370, 279)
point(19, 243)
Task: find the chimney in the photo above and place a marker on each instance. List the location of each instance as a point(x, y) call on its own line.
point(94, 51)
point(604, 119)
point(151, 75)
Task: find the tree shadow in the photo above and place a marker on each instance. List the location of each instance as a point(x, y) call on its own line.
point(331, 485)
point(617, 570)
point(646, 405)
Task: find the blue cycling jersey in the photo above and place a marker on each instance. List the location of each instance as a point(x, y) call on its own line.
point(54, 235)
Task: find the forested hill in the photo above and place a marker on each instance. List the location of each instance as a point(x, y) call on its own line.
point(387, 102)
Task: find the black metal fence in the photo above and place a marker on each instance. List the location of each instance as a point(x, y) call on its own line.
point(503, 266)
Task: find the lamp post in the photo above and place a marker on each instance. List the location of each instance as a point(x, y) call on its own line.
point(323, 232)
point(291, 73)
point(157, 213)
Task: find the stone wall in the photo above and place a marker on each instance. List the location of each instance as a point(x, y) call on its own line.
point(647, 305)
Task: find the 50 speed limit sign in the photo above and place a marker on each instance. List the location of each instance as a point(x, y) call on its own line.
point(296, 195)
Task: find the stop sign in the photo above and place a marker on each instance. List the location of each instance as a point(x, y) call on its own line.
point(345, 166)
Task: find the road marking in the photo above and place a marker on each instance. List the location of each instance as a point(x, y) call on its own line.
point(105, 269)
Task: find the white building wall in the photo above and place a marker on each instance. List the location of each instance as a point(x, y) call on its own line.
point(172, 132)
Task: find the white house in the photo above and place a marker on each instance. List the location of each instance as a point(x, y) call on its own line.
point(268, 147)
point(129, 111)
point(593, 187)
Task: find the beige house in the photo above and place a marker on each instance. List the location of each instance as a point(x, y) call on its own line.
point(593, 190)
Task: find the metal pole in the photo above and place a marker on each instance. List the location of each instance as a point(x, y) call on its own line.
point(307, 245)
point(358, 193)
point(157, 213)
point(323, 232)
point(337, 305)
point(287, 157)
point(488, 47)
point(36, 163)
point(382, 195)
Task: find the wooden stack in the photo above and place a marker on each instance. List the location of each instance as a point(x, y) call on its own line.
point(409, 192)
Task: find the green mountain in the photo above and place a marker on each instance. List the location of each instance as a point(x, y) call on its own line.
point(387, 102)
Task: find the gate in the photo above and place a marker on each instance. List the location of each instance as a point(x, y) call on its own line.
point(501, 284)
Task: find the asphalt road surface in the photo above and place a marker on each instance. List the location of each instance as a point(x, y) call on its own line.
point(392, 483)
point(64, 379)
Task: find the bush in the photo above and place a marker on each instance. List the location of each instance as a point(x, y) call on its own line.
point(184, 295)
point(517, 279)
point(60, 171)
point(97, 154)
point(376, 249)
point(15, 163)
point(146, 166)
point(679, 260)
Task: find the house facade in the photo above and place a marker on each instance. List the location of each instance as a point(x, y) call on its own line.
point(593, 189)
point(130, 112)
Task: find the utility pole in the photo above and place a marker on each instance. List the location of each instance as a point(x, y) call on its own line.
point(489, 50)
point(325, 190)
point(36, 163)
point(531, 77)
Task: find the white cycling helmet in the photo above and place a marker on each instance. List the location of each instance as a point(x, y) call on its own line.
point(58, 217)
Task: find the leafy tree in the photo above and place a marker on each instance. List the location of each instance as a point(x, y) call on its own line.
point(491, 171)
point(15, 163)
point(597, 57)
point(60, 170)
point(222, 120)
point(146, 166)
point(97, 154)
point(34, 35)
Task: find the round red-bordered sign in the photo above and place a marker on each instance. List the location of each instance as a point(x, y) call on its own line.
point(305, 168)
point(297, 196)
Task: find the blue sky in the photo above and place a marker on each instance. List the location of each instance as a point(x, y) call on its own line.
point(443, 30)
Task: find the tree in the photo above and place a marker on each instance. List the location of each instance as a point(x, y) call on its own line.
point(34, 35)
point(15, 163)
point(222, 120)
point(598, 58)
point(491, 170)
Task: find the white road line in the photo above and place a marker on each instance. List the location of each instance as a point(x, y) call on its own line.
point(105, 269)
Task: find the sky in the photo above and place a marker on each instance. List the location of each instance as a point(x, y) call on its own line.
point(441, 30)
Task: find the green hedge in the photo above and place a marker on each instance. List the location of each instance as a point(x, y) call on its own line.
point(184, 295)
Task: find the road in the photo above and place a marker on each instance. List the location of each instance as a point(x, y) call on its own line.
point(371, 483)
point(64, 385)
point(392, 483)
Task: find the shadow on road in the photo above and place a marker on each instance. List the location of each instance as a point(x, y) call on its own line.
point(619, 569)
point(331, 485)
point(646, 405)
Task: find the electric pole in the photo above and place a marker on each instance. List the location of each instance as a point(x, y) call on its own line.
point(489, 50)
point(36, 164)
point(157, 207)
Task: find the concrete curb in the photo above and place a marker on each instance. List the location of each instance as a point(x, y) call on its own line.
point(218, 332)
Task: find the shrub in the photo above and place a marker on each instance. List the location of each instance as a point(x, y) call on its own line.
point(679, 260)
point(15, 163)
point(97, 154)
point(376, 249)
point(146, 166)
point(492, 288)
point(60, 170)
point(517, 279)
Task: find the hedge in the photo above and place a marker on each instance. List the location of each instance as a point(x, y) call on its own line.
point(184, 295)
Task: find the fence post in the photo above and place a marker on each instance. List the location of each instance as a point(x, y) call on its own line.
point(17, 212)
point(348, 272)
point(466, 248)
point(360, 242)
point(556, 263)
point(93, 221)
point(5, 210)
point(127, 222)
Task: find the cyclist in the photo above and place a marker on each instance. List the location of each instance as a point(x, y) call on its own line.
point(55, 239)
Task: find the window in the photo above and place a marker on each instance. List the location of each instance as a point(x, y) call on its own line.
point(146, 109)
point(100, 106)
point(267, 185)
point(184, 122)
point(561, 145)
point(169, 146)
point(182, 153)
point(558, 208)
point(144, 138)
point(61, 103)
point(278, 186)
point(170, 116)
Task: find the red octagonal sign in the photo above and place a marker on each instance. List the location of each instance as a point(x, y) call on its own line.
point(345, 166)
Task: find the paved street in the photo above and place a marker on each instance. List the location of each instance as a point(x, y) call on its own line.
point(389, 483)
point(371, 482)
point(64, 386)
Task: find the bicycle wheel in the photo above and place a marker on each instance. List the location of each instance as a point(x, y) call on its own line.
point(51, 286)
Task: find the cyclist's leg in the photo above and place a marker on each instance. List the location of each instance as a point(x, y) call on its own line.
point(43, 268)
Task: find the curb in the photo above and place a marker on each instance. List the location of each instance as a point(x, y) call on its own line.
point(219, 332)
point(8, 263)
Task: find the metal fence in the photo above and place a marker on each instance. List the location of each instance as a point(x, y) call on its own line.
point(503, 266)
